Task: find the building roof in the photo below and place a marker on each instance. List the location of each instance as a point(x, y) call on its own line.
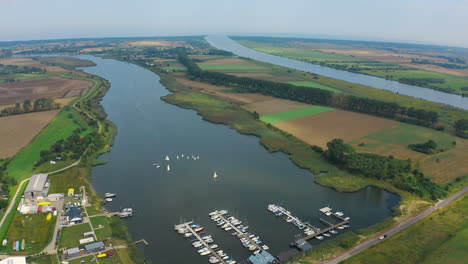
point(96, 245)
point(73, 250)
point(14, 260)
point(262, 258)
point(73, 212)
point(36, 183)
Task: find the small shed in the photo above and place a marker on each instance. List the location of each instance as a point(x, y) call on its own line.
point(72, 252)
point(86, 240)
point(95, 247)
point(71, 191)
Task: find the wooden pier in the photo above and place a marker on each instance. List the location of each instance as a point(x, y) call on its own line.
point(238, 231)
point(213, 252)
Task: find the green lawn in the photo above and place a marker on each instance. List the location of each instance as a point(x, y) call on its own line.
point(231, 67)
point(293, 114)
point(315, 85)
point(105, 230)
point(60, 127)
point(34, 228)
point(70, 235)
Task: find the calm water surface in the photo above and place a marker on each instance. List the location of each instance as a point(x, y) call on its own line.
point(250, 177)
point(225, 43)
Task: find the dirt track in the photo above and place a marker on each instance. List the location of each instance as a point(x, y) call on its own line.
point(321, 128)
point(11, 93)
point(17, 131)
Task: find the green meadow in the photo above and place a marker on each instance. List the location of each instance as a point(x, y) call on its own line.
point(231, 67)
point(293, 114)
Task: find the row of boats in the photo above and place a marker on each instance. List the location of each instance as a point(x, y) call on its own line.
point(204, 243)
point(231, 223)
point(306, 227)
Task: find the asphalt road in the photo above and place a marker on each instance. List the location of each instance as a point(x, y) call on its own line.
point(369, 243)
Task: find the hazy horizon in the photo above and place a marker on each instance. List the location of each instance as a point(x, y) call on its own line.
point(410, 21)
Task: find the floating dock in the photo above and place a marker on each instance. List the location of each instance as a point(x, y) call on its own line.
point(205, 244)
point(240, 234)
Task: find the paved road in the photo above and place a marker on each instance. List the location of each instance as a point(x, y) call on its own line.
point(369, 243)
point(50, 249)
point(13, 203)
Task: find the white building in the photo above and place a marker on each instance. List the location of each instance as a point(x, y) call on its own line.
point(14, 260)
point(37, 187)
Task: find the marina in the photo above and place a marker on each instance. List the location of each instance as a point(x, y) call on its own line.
point(204, 242)
point(248, 240)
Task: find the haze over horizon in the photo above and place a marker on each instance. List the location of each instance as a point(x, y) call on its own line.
point(413, 21)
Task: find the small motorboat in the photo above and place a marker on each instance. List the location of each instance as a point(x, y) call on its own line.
point(109, 195)
point(326, 234)
point(319, 237)
point(215, 175)
point(108, 199)
point(198, 230)
point(265, 247)
point(156, 165)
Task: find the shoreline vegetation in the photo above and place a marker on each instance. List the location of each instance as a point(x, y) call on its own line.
point(90, 123)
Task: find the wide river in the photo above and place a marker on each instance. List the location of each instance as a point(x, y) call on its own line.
point(225, 43)
point(249, 176)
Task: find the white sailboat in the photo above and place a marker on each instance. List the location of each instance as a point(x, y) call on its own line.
point(177, 157)
point(168, 168)
point(156, 165)
point(167, 157)
point(182, 155)
point(215, 175)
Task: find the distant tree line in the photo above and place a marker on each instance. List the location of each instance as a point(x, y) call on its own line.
point(41, 104)
point(5, 180)
point(421, 81)
point(441, 64)
point(306, 94)
point(15, 69)
point(398, 172)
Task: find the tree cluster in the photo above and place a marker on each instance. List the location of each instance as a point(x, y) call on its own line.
point(41, 104)
point(14, 69)
point(428, 147)
point(421, 81)
point(396, 171)
point(461, 128)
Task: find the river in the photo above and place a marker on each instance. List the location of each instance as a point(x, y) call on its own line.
point(225, 43)
point(249, 176)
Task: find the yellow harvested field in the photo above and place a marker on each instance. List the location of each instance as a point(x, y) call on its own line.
point(321, 128)
point(274, 106)
point(17, 131)
point(238, 98)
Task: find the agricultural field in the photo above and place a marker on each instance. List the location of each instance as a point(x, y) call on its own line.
point(55, 87)
point(318, 129)
point(444, 167)
point(294, 114)
point(273, 106)
point(372, 61)
point(22, 165)
point(18, 130)
point(65, 62)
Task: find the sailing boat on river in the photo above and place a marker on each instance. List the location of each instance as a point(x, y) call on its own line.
point(215, 176)
point(168, 168)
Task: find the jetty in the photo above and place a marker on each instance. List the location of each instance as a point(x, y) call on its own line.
point(240, 233)
point(195, 234)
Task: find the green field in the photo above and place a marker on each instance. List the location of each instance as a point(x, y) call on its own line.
point(438, 238)
point(70, 235)
point(315, 85)
point(103, 231)
point(34, 228)
point(22, 165)
point(293, 114)
point(405, 134)
point(231, 67)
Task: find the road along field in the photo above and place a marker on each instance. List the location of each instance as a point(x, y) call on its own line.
point(56, 87)
point(321, 128)
point(18, 130)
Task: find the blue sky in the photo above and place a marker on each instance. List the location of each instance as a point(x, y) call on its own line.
point(421, 21)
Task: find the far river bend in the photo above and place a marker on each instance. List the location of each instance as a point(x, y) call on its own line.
point(249, 176)
point(225, 43)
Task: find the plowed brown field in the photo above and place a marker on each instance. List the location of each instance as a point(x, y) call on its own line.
point(12, 93)
point(321, 128)
point(18, 130)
